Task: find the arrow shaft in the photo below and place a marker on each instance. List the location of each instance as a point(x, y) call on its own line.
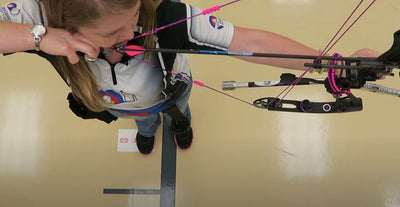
point(246, 54)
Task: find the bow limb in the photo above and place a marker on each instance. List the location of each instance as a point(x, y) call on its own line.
point(350, 103)
point(372, 87)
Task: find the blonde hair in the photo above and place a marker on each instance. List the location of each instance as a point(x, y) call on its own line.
point(71, 14)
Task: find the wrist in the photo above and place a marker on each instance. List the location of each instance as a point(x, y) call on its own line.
point(38, 31)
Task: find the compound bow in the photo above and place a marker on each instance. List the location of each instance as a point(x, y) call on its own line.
point(358, 71)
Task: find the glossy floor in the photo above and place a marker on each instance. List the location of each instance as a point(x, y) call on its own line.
point(241, 156)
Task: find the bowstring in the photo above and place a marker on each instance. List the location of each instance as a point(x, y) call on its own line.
point(327, 48)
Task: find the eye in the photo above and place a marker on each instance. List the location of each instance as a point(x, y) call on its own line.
point(109, 34)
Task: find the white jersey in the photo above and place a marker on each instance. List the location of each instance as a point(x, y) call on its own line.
point(134, 85)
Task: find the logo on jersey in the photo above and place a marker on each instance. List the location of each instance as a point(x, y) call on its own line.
point(13, 8)
point(216, 22)
point(114, 97)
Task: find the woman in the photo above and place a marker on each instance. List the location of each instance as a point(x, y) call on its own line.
point(77, 37)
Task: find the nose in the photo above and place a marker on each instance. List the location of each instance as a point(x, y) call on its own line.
point(128, 34)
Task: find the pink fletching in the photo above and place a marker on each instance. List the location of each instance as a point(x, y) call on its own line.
point(133, 50)
point(133, 53)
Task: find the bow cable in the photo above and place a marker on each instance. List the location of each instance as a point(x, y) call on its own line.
point(329, 46)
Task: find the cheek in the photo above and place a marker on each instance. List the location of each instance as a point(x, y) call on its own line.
point(104, 41)
point(94, 39)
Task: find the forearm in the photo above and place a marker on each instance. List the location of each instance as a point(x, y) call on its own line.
point(15, 37)
point(257, 41)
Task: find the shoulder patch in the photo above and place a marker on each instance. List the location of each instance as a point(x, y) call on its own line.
point(13, 9)
point(216, 22)
point(209, 30)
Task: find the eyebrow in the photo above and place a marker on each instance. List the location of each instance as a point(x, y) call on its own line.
point(110, 33)
point(117, 30)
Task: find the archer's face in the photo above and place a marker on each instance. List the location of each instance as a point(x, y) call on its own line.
point(113, 28)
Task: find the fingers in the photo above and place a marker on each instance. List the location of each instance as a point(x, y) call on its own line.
point(61, 42)
point(83, 45)
point(73, 58)
point(366, 52)
point(78, 46)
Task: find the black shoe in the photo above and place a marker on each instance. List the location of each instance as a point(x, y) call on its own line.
point(183, 134)
point(145, 144)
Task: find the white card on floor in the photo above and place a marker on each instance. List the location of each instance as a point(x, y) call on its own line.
point(127, 140)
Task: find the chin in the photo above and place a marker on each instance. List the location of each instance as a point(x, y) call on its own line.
point(106, 45)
